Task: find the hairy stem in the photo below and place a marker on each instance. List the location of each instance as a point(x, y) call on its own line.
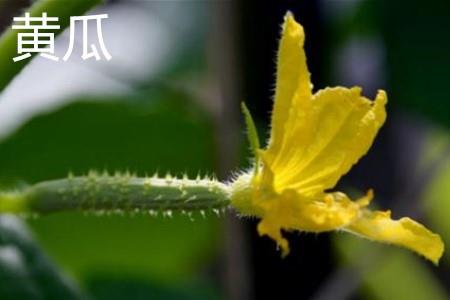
point(104, 193)
point(54, 8)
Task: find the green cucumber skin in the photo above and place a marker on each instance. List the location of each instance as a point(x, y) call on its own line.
point(125, 193)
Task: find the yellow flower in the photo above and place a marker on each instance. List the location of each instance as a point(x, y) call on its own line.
point(315, 140)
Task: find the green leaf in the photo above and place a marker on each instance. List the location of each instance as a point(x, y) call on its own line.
point(25, 271)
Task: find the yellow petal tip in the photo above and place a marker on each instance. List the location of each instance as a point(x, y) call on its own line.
point(405, 232)
point(381, 97)
point(274, 232)
point(289, 17)
point(292, 27)
point(365, 200)
point(436, 252)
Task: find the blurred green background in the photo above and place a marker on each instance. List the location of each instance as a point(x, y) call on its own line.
point(169, 101)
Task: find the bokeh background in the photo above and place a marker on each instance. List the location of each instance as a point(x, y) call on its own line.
point(169, 101)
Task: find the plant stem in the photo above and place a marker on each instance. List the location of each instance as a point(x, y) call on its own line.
point(54, 8)
point(120, 193)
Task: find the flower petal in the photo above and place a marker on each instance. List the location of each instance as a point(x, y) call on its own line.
point(379, 226)
point(330, 212)
point(274, 232)
point(336, 131)
point(292, 77)
point(292, 211)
